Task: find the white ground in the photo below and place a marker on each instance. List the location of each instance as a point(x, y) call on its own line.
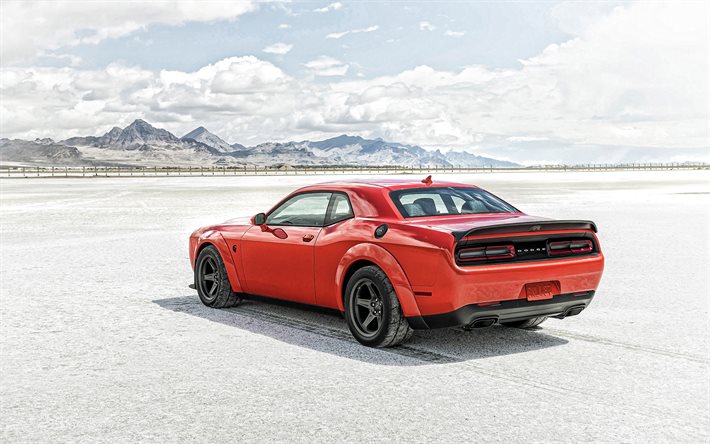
point(103, 341)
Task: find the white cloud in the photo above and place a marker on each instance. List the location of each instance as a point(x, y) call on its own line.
point(451, 33)
point(284, 26)
point(325, 66)
point(28, 28)
point(278, 48)
point(331, 7)
point(243, 75)
point(426, 26)
point(337, 35)
point(633, 81)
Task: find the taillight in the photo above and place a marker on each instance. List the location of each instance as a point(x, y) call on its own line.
point(486, 253)
point(569, 247)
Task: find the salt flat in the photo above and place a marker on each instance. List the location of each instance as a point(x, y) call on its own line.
point(102, 341)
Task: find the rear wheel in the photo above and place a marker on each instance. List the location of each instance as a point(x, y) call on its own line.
point(211, 280)
point(527, 323)
point(372, 310)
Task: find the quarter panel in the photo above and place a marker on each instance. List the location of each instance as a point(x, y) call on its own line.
point(422, 252)
point(383, 259)
point(332, 245)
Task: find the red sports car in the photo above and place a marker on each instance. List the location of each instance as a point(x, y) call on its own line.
point(399, 255)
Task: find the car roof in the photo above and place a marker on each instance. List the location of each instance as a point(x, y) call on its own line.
point(389, 183)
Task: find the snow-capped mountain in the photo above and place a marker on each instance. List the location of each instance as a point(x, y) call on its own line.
point(38, 151)
point(138, 135)
point(140, 143)
point(200, 134)
point(355, 150)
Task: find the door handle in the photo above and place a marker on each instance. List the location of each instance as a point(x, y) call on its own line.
point(308, 237)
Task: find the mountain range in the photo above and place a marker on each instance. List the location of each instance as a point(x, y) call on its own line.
point(140, 143)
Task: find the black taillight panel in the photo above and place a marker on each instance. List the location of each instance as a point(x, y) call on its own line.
point(569, 247)
point(524, 248)
point(486, 254)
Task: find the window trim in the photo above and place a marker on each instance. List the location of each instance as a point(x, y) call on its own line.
point(287, 198)
point(394, 197)
point(326, 223)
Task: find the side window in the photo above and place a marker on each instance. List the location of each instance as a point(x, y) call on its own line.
point(305, 210)
point(340, 209)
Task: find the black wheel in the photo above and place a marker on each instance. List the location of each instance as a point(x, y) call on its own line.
point(372, 309)
point(527, 323)
point(211, 280)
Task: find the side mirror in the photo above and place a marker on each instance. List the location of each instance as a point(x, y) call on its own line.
point(259, 219)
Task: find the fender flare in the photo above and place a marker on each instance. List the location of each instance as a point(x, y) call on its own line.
point(387, 262)
point(215, 238)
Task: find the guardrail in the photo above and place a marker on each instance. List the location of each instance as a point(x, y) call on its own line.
point(179, 171)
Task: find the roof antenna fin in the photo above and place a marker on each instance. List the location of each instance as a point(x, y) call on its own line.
point(427, 181)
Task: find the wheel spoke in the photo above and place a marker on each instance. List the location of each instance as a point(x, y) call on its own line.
point(213, 289)
point(210, 277)
point(371, 289)
point(368, 320)
point(363, 302)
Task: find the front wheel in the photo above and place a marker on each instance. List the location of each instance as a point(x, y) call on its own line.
point(211, 280)
point(372, 310)
point(527, 323)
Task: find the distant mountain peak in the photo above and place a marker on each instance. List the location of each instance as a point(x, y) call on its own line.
point(202, 135)
point(196, 132)
point(140, 122)
point(338, 141)
point(345, 138)
point(141, 125)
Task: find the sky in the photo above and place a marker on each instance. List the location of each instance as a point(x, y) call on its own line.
point(547, 82)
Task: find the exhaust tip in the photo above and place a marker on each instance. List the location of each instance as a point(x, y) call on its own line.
point(577, 309)
point(482, 323)
point(572, 311)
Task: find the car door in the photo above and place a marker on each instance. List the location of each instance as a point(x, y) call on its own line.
point(278, 258)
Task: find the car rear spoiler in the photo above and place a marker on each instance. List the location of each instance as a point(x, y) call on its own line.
point(522, 227)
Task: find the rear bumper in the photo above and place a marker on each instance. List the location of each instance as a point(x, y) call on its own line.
point(561, 305)
point(453, 287)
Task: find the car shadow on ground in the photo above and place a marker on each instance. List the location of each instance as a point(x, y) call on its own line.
point(325, 331)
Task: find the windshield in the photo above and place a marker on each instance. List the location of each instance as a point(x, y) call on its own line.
point(445, 201)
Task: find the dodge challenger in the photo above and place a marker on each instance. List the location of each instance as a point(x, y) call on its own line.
point(400, 255)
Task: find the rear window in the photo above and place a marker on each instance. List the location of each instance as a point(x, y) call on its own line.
point(446, 201)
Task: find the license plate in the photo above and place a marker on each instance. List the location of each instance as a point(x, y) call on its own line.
point(540, 290)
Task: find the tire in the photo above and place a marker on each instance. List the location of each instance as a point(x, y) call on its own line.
point(527, 323)
point(372, 310)
point(211, 280)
